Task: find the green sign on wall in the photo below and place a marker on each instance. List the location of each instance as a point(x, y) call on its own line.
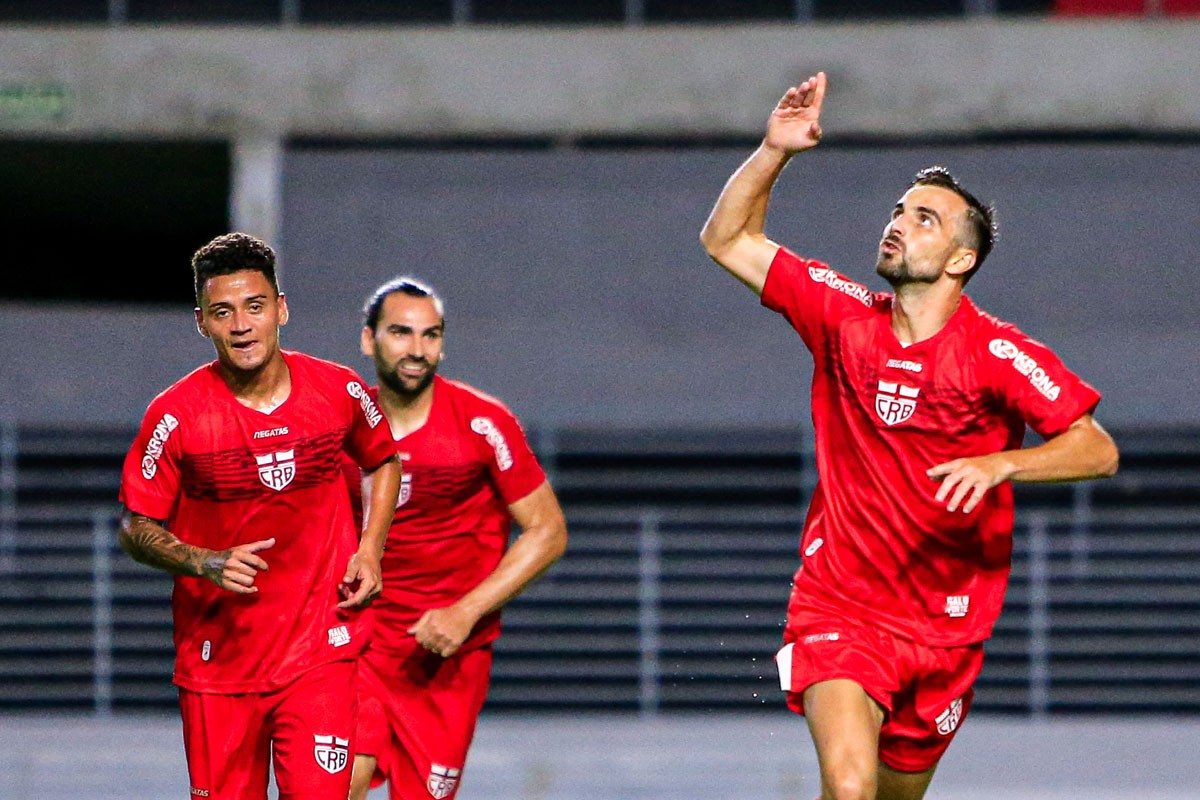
point(32, 102)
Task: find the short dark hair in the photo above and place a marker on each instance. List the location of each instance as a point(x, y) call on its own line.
point(230, 253)
point(405, 285)
point(981, 231)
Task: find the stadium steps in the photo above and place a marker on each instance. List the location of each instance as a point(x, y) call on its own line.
point(720, 514)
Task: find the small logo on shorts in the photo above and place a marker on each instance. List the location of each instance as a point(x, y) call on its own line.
point(814, 546)
point(442, 780)
point(206, 650)
point(957, 605)
point(339, 636)
point(822, 637)
point(332, 753)
point(948, 720)
point(199, 792)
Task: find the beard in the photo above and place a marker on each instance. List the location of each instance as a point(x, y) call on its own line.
point(407, 388)
point(895, 269)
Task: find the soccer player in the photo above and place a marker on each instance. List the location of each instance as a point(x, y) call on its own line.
point(468, 475)
point(234, 484)
point(919, 403)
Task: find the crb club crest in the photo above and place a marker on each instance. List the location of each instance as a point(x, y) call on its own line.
point(948, 720)
point(895, 402)
point(442, 780)
point(332, 753)
point(276, 470)
point(405, 489)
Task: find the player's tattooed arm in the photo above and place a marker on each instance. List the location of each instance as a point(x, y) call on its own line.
point(149, 542)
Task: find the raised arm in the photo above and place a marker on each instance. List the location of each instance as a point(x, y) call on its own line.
point(543, 540)
point(1081, 452)
point(733, 234)
point(149, 542)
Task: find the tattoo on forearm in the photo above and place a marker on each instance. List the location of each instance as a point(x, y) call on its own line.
point(213, 568)
point(148, 542)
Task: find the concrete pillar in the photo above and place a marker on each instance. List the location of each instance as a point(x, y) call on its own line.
point(256, 188)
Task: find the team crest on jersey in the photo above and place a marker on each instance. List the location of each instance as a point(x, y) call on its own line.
point(948, 720)
point(332, 752)
point(442, 780)
point(276, 470)
point(895, 402)
point(405, 490)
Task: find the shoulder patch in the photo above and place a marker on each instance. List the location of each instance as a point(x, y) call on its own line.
point(828, 277)
point(154, 447)
point(369, 409)
point(1026, 365)
point(488, 430)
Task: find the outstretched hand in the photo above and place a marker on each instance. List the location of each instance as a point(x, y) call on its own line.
point(795, 123)
point(236, 568)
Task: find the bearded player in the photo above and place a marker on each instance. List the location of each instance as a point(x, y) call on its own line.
point(234, 485)
point(920, 402)
point(468, 475)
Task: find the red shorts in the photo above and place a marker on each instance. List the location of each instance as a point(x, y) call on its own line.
point(417, 714)
point(229, 738)
point(925, 691)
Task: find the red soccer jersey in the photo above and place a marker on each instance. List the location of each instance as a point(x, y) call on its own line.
point(462, 469)
point(222, 474)
point(876, 543)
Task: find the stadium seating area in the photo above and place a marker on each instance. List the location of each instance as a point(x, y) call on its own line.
point(672, 594)
point(413, 12)
point(319, 12)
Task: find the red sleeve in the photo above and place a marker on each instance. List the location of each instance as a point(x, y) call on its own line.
point(352, 476)
point(1030, 380)
point(150, 477)
point(511, 463)
point(811, 296)
point(369, 441)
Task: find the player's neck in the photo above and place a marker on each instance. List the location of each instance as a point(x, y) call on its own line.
point(264, 389)
point(405, 413)
point(921, 310)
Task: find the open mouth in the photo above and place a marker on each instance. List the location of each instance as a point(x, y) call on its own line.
point(413, 369)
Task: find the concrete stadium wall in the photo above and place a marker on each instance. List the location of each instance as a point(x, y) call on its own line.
point(892, 79)
point(576, 287)
point(577, 290)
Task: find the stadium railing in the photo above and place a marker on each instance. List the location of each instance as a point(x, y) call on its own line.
point(673, 591)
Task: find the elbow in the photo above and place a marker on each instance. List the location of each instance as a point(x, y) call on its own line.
point(713, 242)
point(1111, 462)
point(125, 534)
point(708, 241)
point(126, 544)
point(555, 543)
point(558, 545)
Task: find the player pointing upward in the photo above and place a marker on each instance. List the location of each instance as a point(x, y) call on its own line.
point(920, 402)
